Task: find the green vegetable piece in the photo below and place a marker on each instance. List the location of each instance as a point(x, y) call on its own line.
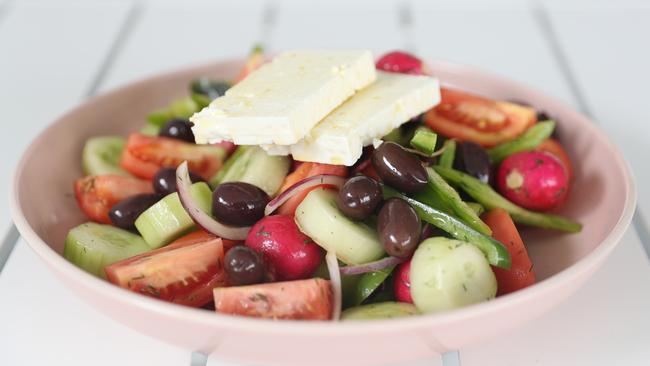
point(424, 140)
point(93, 246)
point(486, 196)
point(201, 100)
point(451, 198)
point(495, 252)
point(101, 155)
point(181, 108)
point(381, 310)
point(348, 283)
point(369, 282)
point(447, 157)
point(526, 142)
point(476, 207)
point(150, 129)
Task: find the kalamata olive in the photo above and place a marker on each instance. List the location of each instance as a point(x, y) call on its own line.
point(210, 88)
point(472, 159)
point(399, 168)
point(124, 213)
point(178, 128)
point(399, 228)
point(359, 197)
point(244, 266)
point(164, 182)
point(238, 203)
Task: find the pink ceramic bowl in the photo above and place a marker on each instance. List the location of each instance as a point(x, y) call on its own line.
point(44, 209)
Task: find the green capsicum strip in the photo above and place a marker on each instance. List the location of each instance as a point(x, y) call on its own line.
point(485, 195)
point(451, 198)
point(496, 253)
point(526, 142)
point(369, 282)
point(447, 157)
point(424, 140)
point(476, 207)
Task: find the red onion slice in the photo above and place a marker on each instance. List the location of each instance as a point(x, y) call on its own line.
point(201, 218)
point(335, 280)
point(316, 180)
point(372, 266)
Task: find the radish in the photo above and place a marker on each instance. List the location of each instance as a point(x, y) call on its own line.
point(289, 254)
point(402, 283)
point(533, 180)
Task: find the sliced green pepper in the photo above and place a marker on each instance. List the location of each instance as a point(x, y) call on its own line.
point(181, 108)
point(486, 196)
point(424, 140)
point(448, 154)
point(369, 282)
point(476, 207)
point(451, 198)
point(526, 142)
point(496, 253)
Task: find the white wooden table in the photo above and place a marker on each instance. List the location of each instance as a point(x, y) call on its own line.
point(53, 54)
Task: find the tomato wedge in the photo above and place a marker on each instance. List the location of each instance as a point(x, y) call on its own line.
point(97, 194)
point(144, 155)
point(521, 273)
point(309, 299)
point(306, 170)
point(202, 235)
point(469, 117)
point(554, 148)
point(183, 272)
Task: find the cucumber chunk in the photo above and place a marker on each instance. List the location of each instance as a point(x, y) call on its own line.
point(93, 246)
point(101, 155)
point(167, 219)
point(380, 310)
point(448, 274)
point(319, 217)
point(251, 164)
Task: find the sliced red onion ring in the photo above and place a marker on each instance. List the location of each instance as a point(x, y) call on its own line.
point(372, 266)
point(335, 280)
point(316, 180)
point(201, 218)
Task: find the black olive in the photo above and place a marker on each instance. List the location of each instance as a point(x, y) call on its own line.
point(239, 203)
point(178, 128)
point(244, 266)
point(124, 213)
point(359, 197)
point(164, 182)
point(399, 228)
point(472, 159)
point(399, 168)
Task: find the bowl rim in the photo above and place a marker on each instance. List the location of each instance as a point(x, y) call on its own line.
point(324, 328)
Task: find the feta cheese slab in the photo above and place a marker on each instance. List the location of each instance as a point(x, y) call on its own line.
point(370, 114)
point(284, 99)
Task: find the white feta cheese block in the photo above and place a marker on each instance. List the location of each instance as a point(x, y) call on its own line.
point(370, 114)
point(284, 99)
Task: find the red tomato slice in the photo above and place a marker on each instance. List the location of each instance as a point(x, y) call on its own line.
point(143, 152)
point(183, 272)
point(469, 117)
point(202, 235)
point(309, 299)
point(554, 148)
point(521, 273)
point(97, 194)
point(306, 170)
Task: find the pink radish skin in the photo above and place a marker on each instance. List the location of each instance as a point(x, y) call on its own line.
point(288, 253)
point(533, 180)
point(402, 283)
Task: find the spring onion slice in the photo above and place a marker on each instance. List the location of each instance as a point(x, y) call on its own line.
point(335, 280)
point(300, 186)
point(372, 266)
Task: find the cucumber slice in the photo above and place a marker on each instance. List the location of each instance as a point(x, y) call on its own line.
point(101, 155)
point(447, 274)
point(251, 164)
point(93, 246)
point(167, 220)
point(319, 217)
point(380, 310)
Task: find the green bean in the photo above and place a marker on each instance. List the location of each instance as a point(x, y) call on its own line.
point(447, 157)
point(476, 207)
point(424, 140)
point(495, 252)
point(452, 199)
point(526, 142)
point(485, 195)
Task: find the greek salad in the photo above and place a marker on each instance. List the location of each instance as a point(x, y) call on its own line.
point(322, 186)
